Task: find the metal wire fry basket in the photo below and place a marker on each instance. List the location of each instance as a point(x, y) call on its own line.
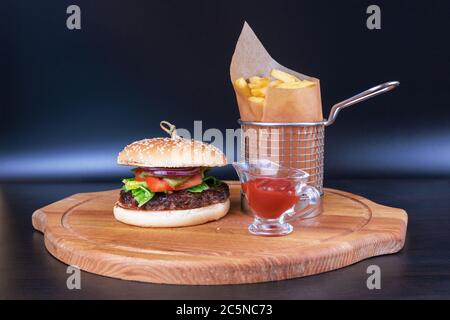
point(297, 145)
point(294, 145)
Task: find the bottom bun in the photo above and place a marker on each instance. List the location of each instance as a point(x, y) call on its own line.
point(171, 218)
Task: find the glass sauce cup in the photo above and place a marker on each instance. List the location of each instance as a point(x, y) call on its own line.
point(273, 194)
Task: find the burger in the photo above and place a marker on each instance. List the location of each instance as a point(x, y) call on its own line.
point(171, 184)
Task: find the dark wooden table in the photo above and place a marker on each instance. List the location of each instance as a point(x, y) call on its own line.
point(420, 270)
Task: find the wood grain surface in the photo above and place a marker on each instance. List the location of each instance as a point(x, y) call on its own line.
point(81, 230)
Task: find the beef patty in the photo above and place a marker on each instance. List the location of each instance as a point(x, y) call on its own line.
point(178, 200)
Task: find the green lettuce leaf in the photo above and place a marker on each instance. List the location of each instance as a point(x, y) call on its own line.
point(142, 195)
point(131, 184)
point(198, 188)
point(139, 190)
point(208, 180)
point(212, 180)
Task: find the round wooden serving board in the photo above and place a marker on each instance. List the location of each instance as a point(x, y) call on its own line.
point(81, 230)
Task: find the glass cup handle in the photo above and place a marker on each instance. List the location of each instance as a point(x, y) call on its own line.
point(314, 199)
point(313, 195)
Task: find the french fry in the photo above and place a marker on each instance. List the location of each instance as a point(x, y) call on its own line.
point(274, 83)
point(259, 92)
point(255, 88)
point(242, 86)
point(254, 79)
point(283, 76)
point(309, 83)
point(295, 85)
point(258, 100)
point(259, 83)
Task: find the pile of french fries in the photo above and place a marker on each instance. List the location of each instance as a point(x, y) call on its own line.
point(255, 88)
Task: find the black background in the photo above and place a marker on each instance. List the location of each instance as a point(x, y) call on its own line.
point(70, 100)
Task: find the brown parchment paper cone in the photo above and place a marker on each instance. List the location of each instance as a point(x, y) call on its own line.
point(250, 58)
point(290, 146)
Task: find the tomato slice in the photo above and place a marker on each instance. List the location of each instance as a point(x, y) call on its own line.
point(193, 181)
point(157, 184)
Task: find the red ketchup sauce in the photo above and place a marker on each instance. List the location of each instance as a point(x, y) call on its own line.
point(270, 197)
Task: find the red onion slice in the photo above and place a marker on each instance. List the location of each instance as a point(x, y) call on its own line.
point(173, 172)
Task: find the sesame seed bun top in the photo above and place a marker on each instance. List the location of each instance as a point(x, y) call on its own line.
point(171, 153)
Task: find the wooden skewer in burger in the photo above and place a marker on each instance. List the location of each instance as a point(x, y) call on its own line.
point(171, 186)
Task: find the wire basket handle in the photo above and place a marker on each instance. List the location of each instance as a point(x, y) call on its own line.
point(370, 93)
